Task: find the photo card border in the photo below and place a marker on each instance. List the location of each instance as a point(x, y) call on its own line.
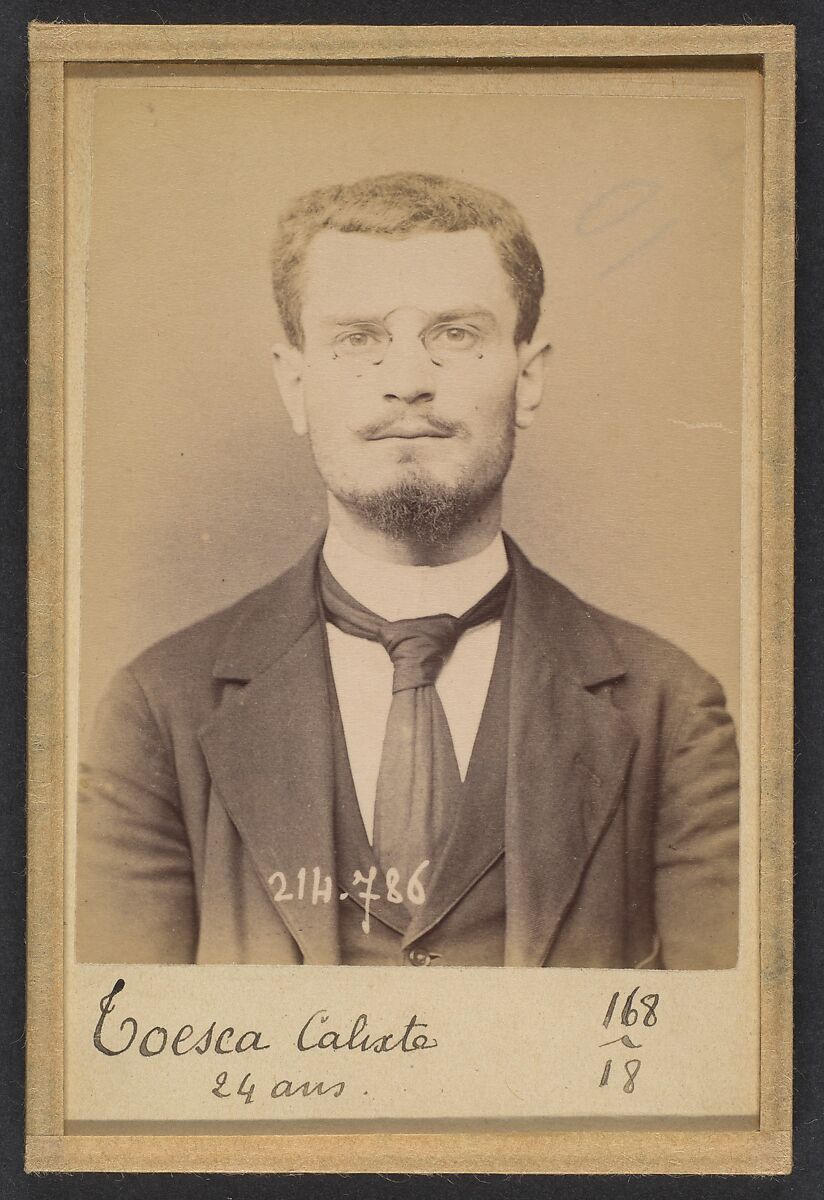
point(765, 1151)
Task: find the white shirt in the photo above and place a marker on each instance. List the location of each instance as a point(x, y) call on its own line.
point(363, 670)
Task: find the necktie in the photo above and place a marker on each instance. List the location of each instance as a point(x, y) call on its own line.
point(419, 784)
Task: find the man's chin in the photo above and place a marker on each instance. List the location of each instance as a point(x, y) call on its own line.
point(418, 508)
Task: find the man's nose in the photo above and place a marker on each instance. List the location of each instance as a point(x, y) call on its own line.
point(408, 373)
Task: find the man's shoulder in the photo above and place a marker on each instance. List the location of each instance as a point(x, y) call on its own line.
point(235, 641)
point(643, 656)
point(201, 640)
point(641, 646)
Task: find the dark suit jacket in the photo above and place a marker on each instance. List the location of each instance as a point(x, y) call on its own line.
point(211, 769)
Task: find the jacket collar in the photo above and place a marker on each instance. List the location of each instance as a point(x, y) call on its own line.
point(561, 630)
point(276, 616)
point(271, 621)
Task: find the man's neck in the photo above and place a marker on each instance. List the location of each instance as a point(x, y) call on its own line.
point(467, 542)
point(403, 591)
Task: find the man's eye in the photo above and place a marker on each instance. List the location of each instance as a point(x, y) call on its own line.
point(356, 339)
point(454, 337)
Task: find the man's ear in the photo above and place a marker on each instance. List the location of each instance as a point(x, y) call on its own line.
point(529, 388)
point(287, 362)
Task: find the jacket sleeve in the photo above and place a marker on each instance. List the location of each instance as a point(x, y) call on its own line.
point(696, 833)
point(135, 898)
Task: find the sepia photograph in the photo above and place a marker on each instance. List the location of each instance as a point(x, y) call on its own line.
point(414, 745)
point(412, 592)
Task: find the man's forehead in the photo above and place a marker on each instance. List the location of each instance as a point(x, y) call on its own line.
point(429, 270)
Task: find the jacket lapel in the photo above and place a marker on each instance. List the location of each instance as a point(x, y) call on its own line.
point(569, 753)
point(269, 752)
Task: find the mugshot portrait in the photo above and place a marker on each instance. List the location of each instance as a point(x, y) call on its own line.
point(409, 584)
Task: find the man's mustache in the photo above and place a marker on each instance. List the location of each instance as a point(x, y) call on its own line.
point(420, 425)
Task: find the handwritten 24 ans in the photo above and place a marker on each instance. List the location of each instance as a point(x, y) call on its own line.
point(318, 890)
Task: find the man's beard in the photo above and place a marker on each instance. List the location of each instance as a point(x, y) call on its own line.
point(418, 510)
point(426, 511)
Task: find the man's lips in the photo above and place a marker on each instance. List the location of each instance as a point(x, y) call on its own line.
point(408, 432)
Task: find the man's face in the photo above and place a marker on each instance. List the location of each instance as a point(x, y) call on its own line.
point(408, 380)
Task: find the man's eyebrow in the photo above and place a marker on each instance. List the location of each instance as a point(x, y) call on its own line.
point(339, 321)
point(465, 314)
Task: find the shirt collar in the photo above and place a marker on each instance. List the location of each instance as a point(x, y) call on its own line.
point(398, 592)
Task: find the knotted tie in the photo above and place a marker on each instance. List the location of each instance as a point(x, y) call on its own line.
point(419, 783)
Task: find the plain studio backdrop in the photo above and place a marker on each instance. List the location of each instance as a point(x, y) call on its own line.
point(628, 486)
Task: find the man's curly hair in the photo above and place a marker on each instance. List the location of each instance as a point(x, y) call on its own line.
point(397, 206)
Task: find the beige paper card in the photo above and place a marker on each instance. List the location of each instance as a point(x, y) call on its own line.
point(329, 339)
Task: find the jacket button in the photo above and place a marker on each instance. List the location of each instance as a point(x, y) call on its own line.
point(419, 958)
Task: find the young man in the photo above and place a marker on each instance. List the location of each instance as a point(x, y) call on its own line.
point(413, 747)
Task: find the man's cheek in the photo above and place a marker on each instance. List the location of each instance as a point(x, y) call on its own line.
point(349, 407)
